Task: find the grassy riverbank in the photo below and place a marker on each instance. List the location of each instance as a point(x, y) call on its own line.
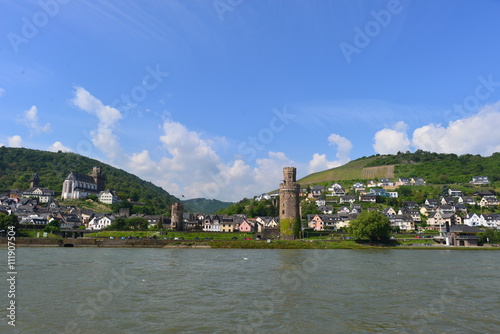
point(223, 244)
point(171, 235)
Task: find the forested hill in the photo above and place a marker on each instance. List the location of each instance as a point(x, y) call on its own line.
point(17, 166)
point(435, 168)
point(203, 205)
point(441, 168)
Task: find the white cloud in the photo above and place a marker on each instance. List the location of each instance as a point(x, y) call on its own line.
point(187, 150)
point(107, 115)
point(190, 165)
point(30, 120)
point(103, 138)
point(344, 147)
point(2, 92)
point(15, 141)
point(196, 170)
point(320, 162)
point(192, 168)
point(58, 146)
point(391, 141)
point(477, 134)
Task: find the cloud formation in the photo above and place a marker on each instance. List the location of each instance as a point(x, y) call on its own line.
point(15, 141)
point(477, 134)
point(58, 146)
point(30, 120)
point(319, 162)
point(189, 165)
point(2, 92)
point(103, 137)
point(391, 141)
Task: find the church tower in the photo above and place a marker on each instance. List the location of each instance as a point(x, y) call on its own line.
point(35, 180)
point(177, 216)
point(99, 178)
point(289, 205)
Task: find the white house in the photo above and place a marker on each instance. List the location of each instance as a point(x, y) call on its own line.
point(320, 202)
point(488, 220)
point(108, 197)
point(336, 189)
point(466, 200)
point(43, 195)
point(489, 201)
point(385, 182)
point(100, 221)
point(404, 222)
point(263, 197)
point(454, 192)
point(480, 180)
point(212, 224)
point(473, 219)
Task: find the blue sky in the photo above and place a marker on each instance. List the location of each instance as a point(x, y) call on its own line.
point(212, 98)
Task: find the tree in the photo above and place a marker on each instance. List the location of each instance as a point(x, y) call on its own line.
point(137, 223)
point(8, 220)
point(489, 235)
point(53, 226)
point(93, 197)
point(405, 191)
point(118, 225)
point(122, 205)
point(308, 207)
point(370, 225)
point(444, 191)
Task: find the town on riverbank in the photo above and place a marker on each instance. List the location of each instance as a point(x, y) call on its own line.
point(340, 215)
point(381, 210)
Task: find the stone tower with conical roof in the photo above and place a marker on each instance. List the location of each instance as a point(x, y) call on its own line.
point(289, 204)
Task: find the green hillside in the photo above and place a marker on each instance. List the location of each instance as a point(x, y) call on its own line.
point(353, 170)
point(440, 168)
point(17, 166)
point(203, 205)
point(436, 168)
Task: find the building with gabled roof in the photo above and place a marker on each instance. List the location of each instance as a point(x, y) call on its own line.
point(480, 180)
point(77, 185)
point(108, 197)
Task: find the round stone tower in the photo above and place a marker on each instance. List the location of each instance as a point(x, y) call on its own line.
point(289, 204)
point(177, 216)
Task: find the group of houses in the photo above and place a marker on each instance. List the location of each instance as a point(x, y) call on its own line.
point(75, 186)
point(440, 213)
point(234, 223)
point(448, 210)
point(38, 206)
point(30, 212)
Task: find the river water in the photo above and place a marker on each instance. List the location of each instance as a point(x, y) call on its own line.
point(110, 290)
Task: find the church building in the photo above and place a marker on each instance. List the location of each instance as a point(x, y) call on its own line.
point(80, 186)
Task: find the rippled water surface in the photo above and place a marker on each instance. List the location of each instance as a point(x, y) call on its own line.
point(94, 290)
